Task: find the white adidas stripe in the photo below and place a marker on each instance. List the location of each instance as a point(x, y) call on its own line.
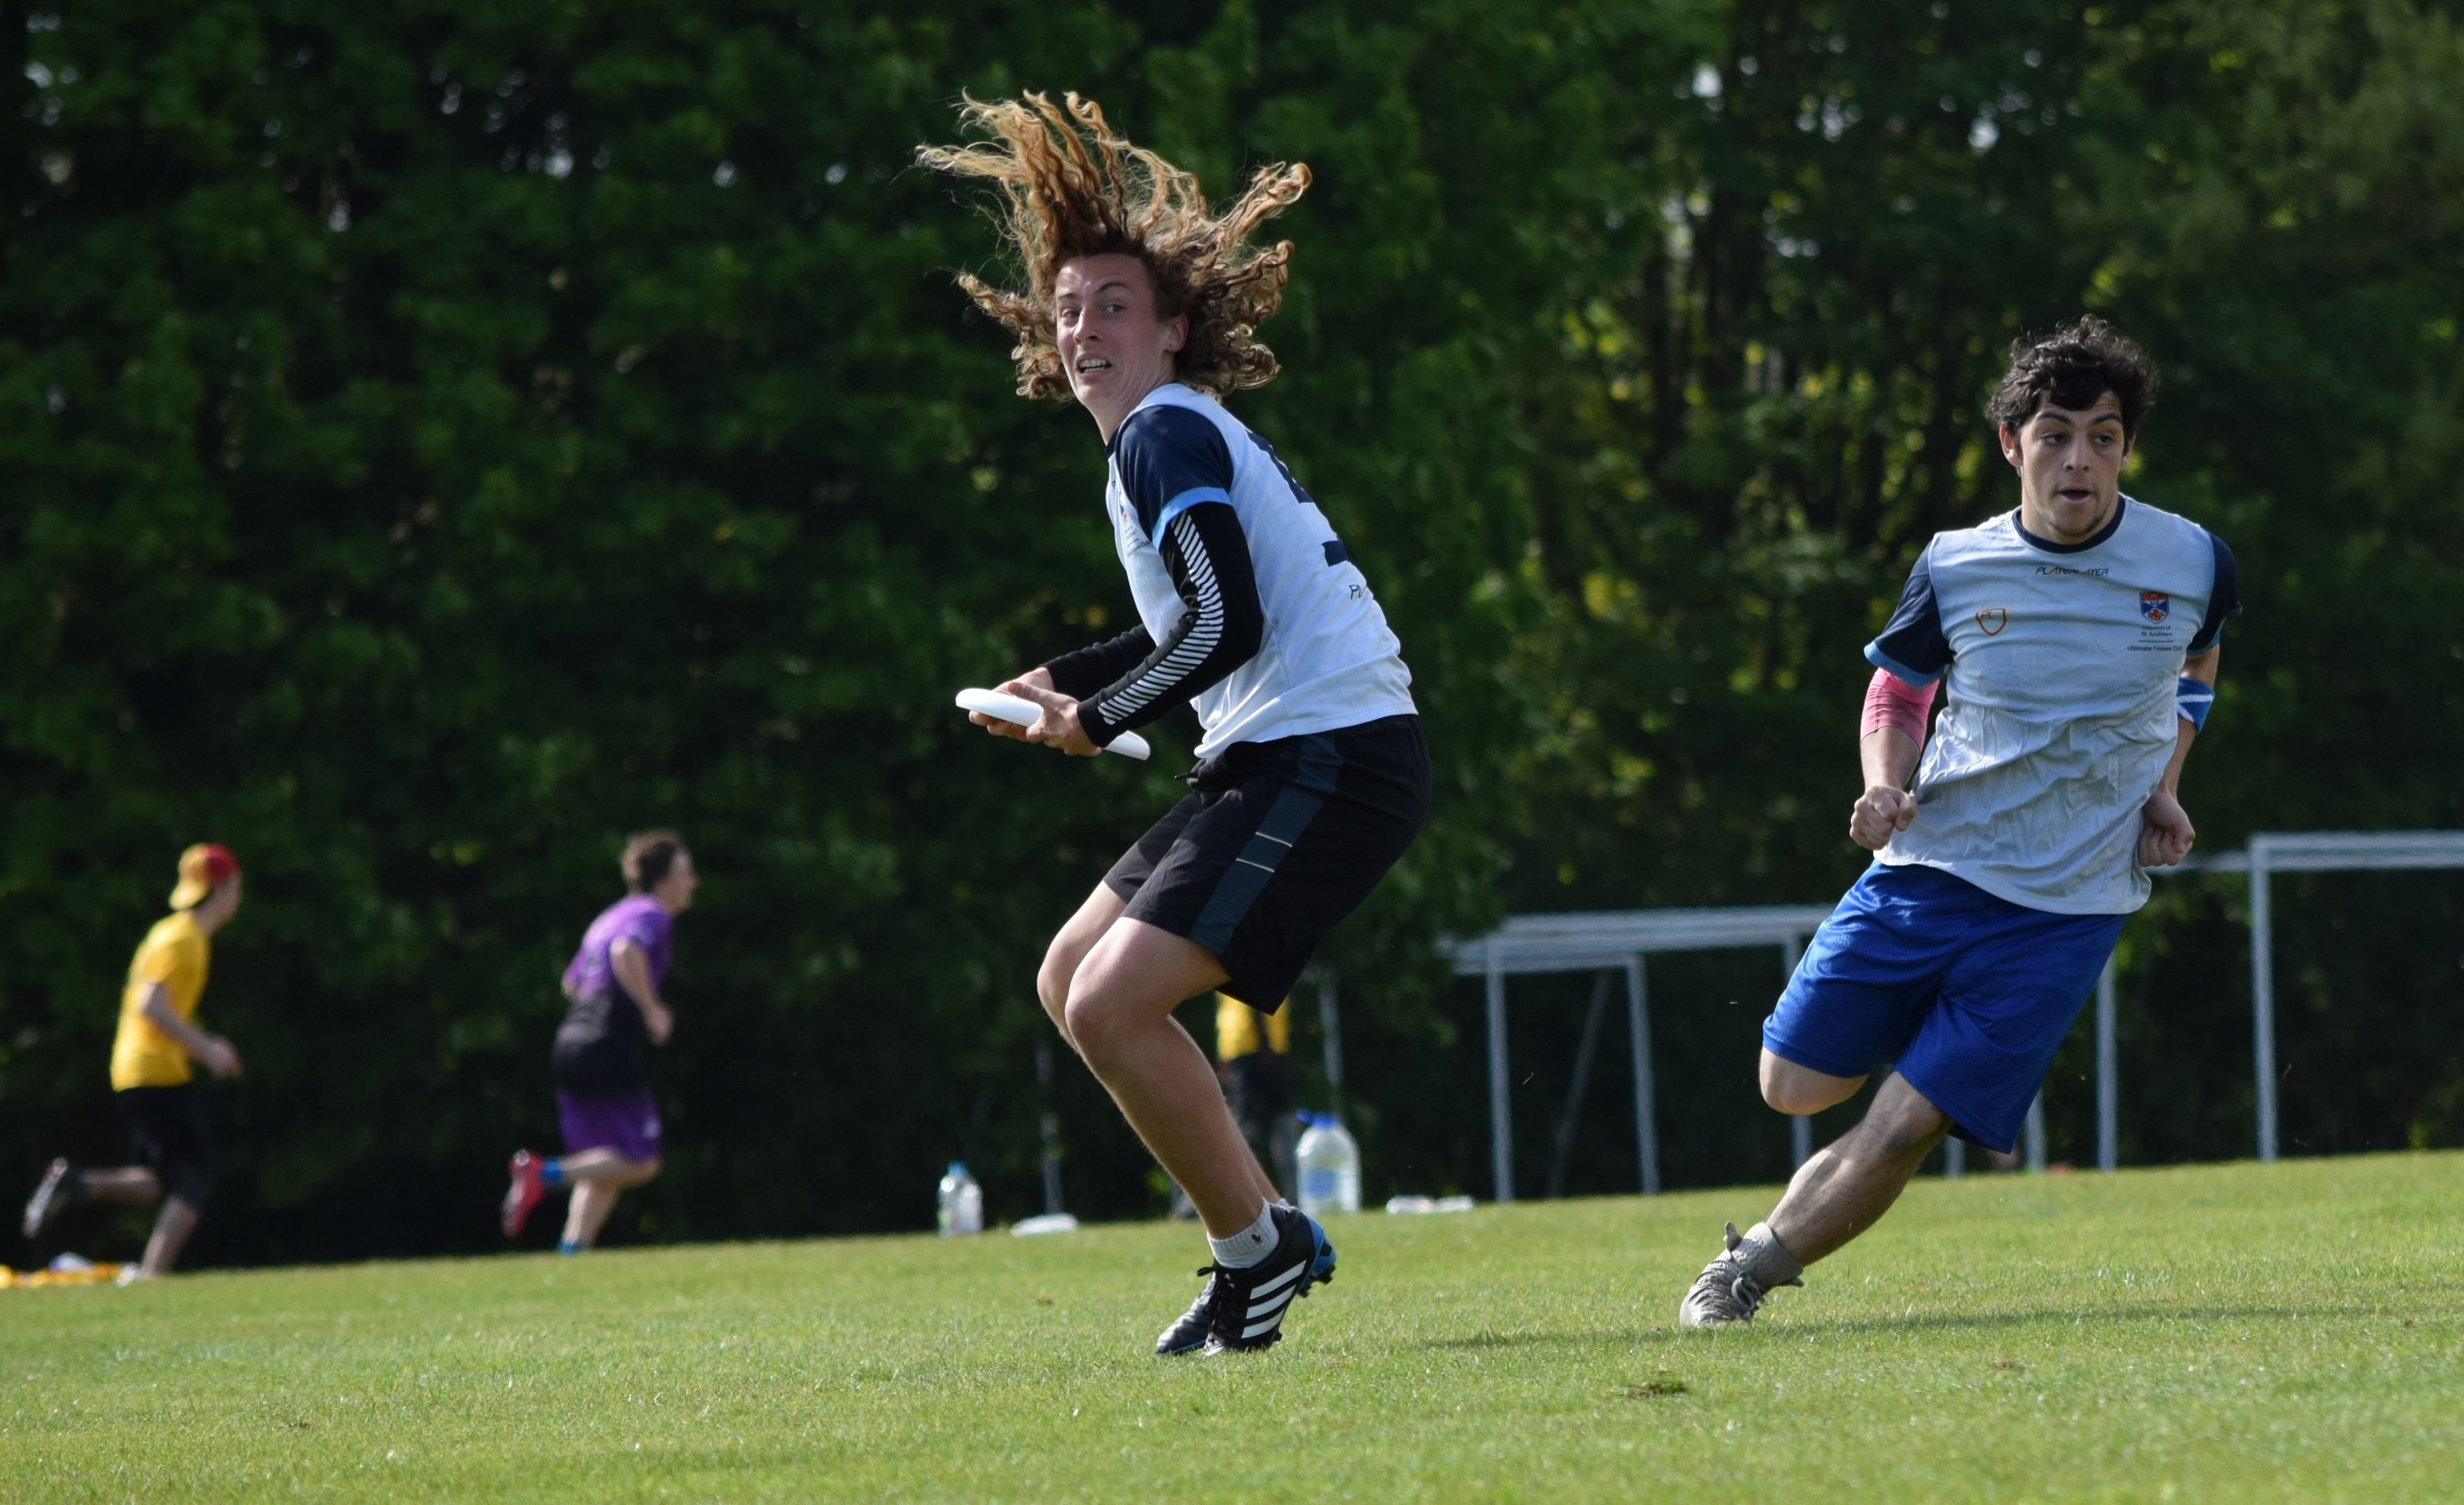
point(1261, 1325)
point(1264, 1287)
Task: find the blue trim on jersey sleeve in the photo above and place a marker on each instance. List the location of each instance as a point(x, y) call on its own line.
point(2192, 699)
point(1170, 458)
point(2224, 599)
point(1196, 496)
point(1912, 645)
point(1883, 661)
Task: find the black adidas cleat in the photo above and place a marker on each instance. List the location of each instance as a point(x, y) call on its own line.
point(1187, 1334)
point(1245, 1308)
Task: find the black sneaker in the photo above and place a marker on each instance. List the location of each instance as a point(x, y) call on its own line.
point(1244, 1308)
point(1187, 1334)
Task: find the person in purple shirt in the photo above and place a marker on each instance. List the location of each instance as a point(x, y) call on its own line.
point(613, 1015)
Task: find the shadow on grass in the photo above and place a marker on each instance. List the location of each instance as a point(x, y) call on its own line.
point(1477, 1342)
point(2104, 1316)
point(1913, 1323)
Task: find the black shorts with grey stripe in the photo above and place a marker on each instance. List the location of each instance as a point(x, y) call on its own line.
point(1275, 844)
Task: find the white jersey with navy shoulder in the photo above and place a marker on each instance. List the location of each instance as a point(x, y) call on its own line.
point(2059, 664)
point(1324, 659)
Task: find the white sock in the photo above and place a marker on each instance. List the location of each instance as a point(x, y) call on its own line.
point(1251, 1245)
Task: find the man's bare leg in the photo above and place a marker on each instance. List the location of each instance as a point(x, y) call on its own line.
point(172, 1227)
point(598, 1178)
point(1792, 1088)
point(1069, 950)
point(1837, 1194)
point(606, 1165)
point(1848, 1185)
point(63, 1185)
point(1119, 1016)
point(1063, 960)
point(128, 1186)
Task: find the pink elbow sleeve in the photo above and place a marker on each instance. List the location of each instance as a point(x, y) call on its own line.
point(1892, 702)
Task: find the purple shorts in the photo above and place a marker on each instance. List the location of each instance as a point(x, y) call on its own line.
point(628, 1126)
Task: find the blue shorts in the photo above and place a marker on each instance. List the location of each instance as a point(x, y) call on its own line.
point(1969, 994)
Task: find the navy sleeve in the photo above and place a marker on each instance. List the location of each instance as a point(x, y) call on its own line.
point(1220, 625)
point(2224, 600)
point(1912, 645)
point(1081, 673)
point(1171, 459)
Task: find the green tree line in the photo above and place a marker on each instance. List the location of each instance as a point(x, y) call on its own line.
point(436, 439)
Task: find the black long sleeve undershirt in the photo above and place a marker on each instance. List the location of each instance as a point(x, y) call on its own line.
point(1080, 674)
point(1220, 628)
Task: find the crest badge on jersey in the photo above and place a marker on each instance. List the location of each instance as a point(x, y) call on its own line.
point(2155, 606)
point(1994, 619)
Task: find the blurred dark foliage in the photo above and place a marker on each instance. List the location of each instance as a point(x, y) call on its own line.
point(436, 439)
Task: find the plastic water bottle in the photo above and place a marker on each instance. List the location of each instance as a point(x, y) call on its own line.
point(1330, 1163)
point(962, 1202)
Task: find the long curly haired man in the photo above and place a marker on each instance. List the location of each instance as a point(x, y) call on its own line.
point(1141, 302)
point(1072, 188)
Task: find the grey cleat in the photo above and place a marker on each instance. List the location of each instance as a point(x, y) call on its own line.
point(1732, 1288)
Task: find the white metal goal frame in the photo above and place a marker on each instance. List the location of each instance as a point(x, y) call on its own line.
point(1615, 940)
point(1619, 941)
point(2269, 854)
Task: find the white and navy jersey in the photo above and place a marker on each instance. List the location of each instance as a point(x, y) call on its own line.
point(2060, 661)
point(1251, 608)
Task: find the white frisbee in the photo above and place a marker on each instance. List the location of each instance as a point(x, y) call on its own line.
point(1024, 711)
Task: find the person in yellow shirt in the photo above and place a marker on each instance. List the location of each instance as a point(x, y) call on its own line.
point(1249, 1051)
point(151, 1073)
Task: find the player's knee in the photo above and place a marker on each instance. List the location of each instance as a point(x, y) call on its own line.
point(1791, 1098)
point(1052, 980)
point(1062, 961)
point(647, 1171)
point(1093, 1023)
point(1793, 1089)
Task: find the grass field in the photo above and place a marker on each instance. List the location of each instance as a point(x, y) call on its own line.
point(2242, 1332)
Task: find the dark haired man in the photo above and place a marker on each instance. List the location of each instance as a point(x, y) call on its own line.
point(613, 1012)
point(151, 1071)
point(2078, 637)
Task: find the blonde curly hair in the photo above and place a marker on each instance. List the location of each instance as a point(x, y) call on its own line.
point(1072, 187)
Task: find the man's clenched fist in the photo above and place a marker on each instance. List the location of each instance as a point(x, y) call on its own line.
point(1878, 813)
